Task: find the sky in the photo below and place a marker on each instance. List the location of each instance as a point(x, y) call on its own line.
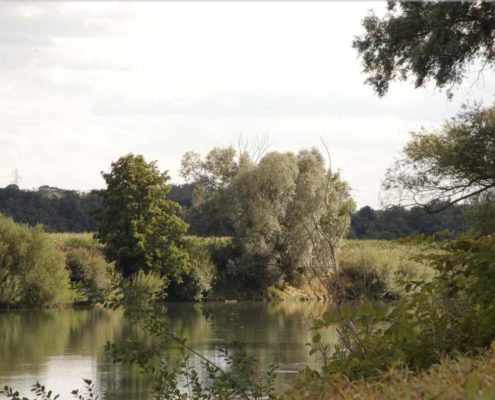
point(83, 83)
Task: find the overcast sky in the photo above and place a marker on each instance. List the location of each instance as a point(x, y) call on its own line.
point(83, 83)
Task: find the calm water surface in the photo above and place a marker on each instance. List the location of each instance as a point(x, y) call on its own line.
point(60, 347)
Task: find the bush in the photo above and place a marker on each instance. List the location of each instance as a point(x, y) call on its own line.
point(138, 293)
point(90, 273)
point(463, 378)
point(196, 283)
point(32, 270)
point(450, 314)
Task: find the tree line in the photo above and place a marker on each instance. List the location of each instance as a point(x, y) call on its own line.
point(60, 210)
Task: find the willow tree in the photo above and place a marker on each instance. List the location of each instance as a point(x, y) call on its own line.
point(289, 215)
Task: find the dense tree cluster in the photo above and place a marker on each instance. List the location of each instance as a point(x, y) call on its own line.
point(58, 210)
point(287, 212)
point(61, 210)
point(396, 222)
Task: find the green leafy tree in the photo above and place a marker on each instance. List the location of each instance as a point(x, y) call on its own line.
point(452, 164)
point(427, 40)
point(138, 225)
point(481, 213)
point(210, 177)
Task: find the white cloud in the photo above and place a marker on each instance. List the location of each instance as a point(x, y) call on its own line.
point(85, 82)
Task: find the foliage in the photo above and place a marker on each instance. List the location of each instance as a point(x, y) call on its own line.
point(281, 208)
point(216, 171)
point(481, 213)
point(32, 270)
point(460, 378)
point(137, 293)
point(396, 222)
point(452, 313)
point(210, 178)
point(451, 165)
point(198, 282)
point(42, 393)
point(138, 225)
point(90, 272)
point(428, 40)
point(209, 218)
point(287, 211)
point(57, 209)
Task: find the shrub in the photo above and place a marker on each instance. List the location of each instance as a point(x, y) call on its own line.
point(196, 283)
point(138, 293)
point(90, 272)
point(32, 270)
point(462, 378)
point(450, 314)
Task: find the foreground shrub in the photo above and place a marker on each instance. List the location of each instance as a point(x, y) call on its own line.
point(32, 270)
point(453, 313)
point(464, 378)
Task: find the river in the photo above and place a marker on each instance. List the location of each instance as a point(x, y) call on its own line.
point(59, 348)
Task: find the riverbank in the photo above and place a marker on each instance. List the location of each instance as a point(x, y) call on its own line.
point(371, 269)
point(65, 269)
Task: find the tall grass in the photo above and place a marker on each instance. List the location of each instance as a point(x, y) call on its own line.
point(376, 269)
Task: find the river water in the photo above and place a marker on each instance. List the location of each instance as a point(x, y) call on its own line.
point(59, 348)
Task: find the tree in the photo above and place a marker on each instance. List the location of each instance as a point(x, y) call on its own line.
point(289, 214)
point(429, 40)
point(138, 225)
point(210, 178)
point(481, 213)
point(451, 165)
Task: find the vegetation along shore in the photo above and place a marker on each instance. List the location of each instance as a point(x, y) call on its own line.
point(411, 286)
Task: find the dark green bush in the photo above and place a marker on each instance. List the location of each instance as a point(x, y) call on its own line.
point(32, 270)
point(90, 273)
point(196, 283)
point(362, 283)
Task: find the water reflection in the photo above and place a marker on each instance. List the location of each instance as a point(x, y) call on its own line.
point(60, 347)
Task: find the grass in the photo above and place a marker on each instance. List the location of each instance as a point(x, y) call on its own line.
point(376, 268)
